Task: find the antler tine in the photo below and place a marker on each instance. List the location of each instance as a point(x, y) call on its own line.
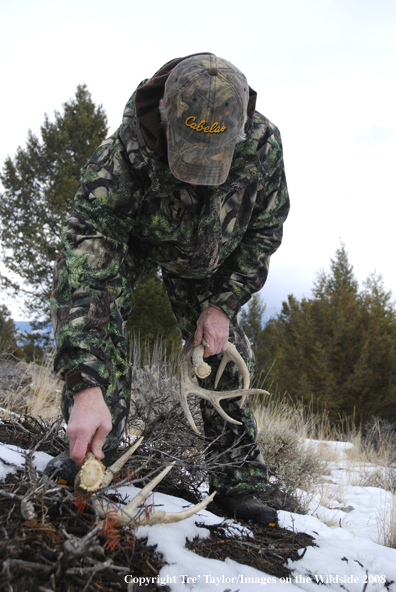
point(160, 517)
point(129, 508)
point(117, 466)
point(170, 517)
point(187, 386)
point(232, 354)
point(147, 489)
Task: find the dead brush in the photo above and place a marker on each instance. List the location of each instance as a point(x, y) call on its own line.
point(29, 388)
point(46, 390)
point(282, 433)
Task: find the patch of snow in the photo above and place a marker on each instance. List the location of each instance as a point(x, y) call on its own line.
point(12, 457)
point(338, 449)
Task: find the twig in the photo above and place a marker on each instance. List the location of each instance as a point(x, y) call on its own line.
point(74, 548)
point(45, 437)
point(10, 495)
point(81, 571)
point(84, 571)
point(27, 565)
point(365, 585)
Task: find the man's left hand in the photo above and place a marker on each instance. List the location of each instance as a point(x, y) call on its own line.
point(213, 325)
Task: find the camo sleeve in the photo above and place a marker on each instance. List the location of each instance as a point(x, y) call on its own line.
point(246, 269)
point(92, 296)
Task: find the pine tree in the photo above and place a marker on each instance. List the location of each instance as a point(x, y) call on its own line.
point(342, 277)
point(337, 350)
point(380, 302)
point(151, 317)
point(252, 318)
point(40, 184)
point(7, 329)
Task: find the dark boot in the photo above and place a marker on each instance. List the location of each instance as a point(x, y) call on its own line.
point(248, 507)
point(67, 469)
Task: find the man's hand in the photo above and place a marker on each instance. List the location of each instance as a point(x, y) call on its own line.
point(213, 325)
point(90, 416)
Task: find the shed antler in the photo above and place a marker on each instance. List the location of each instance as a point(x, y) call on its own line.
point(91, 478)
point(127, 515)
point(202, 370)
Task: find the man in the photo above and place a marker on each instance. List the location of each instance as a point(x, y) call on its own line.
point(203, 195)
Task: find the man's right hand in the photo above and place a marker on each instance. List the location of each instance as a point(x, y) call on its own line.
point(90, 417)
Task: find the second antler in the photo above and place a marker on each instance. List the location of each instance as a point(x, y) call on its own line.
point(201, 369)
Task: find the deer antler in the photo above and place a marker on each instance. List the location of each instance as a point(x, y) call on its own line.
point(91, 477)
point(200, 368)
point(126, 514)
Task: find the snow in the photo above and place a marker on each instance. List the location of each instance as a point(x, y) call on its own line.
point(344, 519)
point(12, 457)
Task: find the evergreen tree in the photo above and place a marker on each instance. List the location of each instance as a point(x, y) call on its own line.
point(33, 347)
point(341, 277)
point(379, 302)
point(252, 322)
point(151, 317)
point(7, 329)
point(337, 350)
point(40, 184)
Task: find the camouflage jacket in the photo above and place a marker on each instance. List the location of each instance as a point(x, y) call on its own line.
point(132, 214)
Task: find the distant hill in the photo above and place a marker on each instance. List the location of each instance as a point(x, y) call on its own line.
point(26, 327)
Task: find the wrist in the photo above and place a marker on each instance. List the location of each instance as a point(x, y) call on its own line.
point(91, 392)
point(223, 308)
point(215, 306)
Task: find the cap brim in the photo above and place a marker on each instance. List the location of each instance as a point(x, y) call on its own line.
point(199, 164)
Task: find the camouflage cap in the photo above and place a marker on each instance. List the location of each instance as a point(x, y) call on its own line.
point(206, 101)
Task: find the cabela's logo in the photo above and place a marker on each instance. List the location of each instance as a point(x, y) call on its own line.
point(202, 127)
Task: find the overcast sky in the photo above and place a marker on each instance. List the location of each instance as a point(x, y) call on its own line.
point(324, 71)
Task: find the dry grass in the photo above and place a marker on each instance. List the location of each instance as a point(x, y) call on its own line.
point(46, 392)
point(369, 454)
point(387, 524)
point(30, 388)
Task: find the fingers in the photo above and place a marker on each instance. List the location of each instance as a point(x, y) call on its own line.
point(198, 333)
point(216, 344)
point(79, 442)
point(90, 419)
point(98, 440)
point(213, 325)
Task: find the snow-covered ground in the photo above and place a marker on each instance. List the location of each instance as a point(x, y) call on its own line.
point(346, 520)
